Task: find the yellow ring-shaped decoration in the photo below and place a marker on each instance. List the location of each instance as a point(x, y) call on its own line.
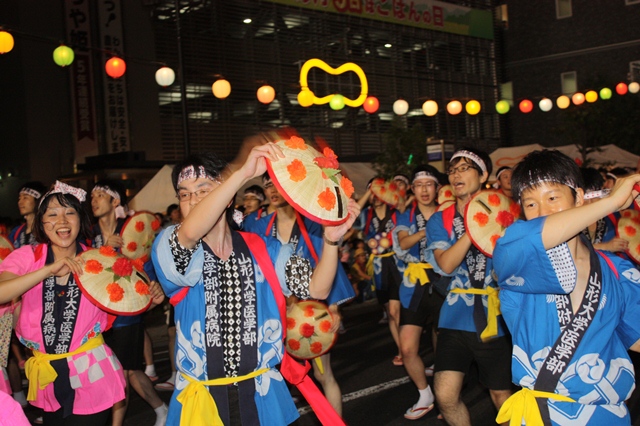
point(349, 66)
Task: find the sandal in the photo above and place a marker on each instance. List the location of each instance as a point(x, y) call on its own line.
point(165, 386)
point(397, 360)
point(414, 413)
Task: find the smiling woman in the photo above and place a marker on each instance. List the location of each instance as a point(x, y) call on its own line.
point(57, 321)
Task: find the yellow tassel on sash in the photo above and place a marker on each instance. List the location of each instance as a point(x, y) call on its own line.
point(40, 372)
point(198, 406)
point(369, 266)
point(522, 405)
point(417, 272)
point(493, 308)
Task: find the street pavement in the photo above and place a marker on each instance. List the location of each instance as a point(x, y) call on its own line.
point(375, 392)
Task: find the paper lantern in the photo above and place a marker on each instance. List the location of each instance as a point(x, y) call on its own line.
point(6, 42)
point(545, 104)
point(337, 102)
point(115, 67)
point(266, 94)
point(591, 96)
point(621, 89)
point(526, 106)
point(454, 107)
point(634, 87)
point(472, 107)
point(503, 107)
point(305, 98)
point(63, 56)
point(165, 76)
point(577, 98)
point(430, 108)
point(563, 102)
point(371, 104)
point(400, 107)
point(221, 89)
point(605, 93)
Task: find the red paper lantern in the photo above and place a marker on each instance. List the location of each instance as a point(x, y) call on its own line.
point(526, 106)
point(622, 89)
point(115, 67)
point(371, 104)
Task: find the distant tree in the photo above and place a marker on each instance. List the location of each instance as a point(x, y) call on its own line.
point(402, 149)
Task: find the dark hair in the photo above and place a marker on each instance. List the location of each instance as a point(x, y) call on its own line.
point(501, 169)
point(171, 208)
point(211, 163)
point(429, 169)
point(592, 178)
point(36, 186)
point(114, 186)
point(483, 156)
point(266, 177)
point(254, 189)
point(545, 166)
point(66, 200)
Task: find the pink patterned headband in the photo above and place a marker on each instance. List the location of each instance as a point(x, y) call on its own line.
point(28, 191)
point(190, 172)
point(109, 191)
point(471, 156)
point(63, 188)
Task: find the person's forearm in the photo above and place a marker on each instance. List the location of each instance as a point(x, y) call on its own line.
point(13, 286)
point(324, 273)
point(448, 260)
point(406, 240)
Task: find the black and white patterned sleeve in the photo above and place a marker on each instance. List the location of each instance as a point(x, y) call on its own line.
point(298, 272)
point(181, 255)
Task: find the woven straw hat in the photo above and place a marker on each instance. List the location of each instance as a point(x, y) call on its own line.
point(629, 229)
point(5, 247)
point(114, 282)
point(311, 181)
point(388, 192)
point(486, 218)
point(308, 325)
point(138, 234)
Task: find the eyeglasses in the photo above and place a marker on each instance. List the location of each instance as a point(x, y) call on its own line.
point(459, 169)
point(186, 196)
point(424, 185)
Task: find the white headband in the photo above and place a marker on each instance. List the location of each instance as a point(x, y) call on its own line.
point(28, 191)
point(471, 156)
point(402, 178)
point(501, 172)
point(190, 172)
point(256, 194)
point(63, 188)
point(109, 191)
point(424, 175)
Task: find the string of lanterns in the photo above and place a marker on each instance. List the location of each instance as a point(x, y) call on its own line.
point(115, 67)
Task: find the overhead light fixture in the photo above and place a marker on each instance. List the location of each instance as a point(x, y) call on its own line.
point(388, 45)
point(247, 21)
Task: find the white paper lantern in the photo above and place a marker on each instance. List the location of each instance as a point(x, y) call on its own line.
point(545, 104)
point(400, 107)
point(165, 76)
point(634, 87)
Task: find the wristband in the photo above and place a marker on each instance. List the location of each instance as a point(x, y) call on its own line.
point(331, 243)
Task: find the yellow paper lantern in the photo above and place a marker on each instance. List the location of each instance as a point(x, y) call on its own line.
point(591, 96)
point(6, 42)
point(454, 107)
point(305, 98)
point(563, 102)
point(577, 98)
point(430, 108)
point(472, 107)
point(221, 88)
point(266, 94)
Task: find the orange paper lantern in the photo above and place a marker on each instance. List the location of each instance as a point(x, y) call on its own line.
point(577, 98)
point(622, 89)
point(115, 67)
point(563, 102)
point(526, 106)
point(371, 104)
point(454, 107)
point(266, 94)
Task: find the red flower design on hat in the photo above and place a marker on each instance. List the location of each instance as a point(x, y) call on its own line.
point(494, 240)
point(630, 231)
point(122, 267)
point(4, 252)
point(295, 142)
point(116, 293)
point(297, 171)
point(636, 219)
point(327, 199)
point(347, 186)
point(448, 193)
point(107, 251)
point(138, 264)
point(316, 347)
point(329, 161)
point(514, 208)
point(294, 344)
point(307, 330)
point(504, 218)
point(132, 246)
point(325, 326)
point(481, 218)
point(142, 287)
point(155, 225)
point(638, 248)
point(93, 266)
point(308, 311)
point(393, 186)
point(494, 200)
point(140, 226)
point(291, 323)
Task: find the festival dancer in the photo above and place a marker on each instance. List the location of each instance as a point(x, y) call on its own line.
point(420, 302)
point(229, 303)
point(73, 375)
point(28, 198)
point(252, 201)
point(465, 333)
point(126, 337)
point(572, 311)
point(503, 178)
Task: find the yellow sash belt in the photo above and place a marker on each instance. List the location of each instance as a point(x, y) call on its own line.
point(417, 272)
point(369, 266)
point(198, 406)
point(40, 372)
point(522, 405)
point(493, 309)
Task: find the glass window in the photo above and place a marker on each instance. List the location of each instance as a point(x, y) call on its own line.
point(563, 9)
point(569, 81)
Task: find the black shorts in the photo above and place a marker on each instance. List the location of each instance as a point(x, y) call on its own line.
point(390, 279)
point(428, 308)
point(457, 350)
point(128, 344)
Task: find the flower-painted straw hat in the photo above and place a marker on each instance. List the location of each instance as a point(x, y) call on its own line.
point(486, 218)
point(629, 229)
point(138, 234)
point(114, 282)
point(311, 181)
point(5, 247)
point(308, 325)
point(388, 192)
